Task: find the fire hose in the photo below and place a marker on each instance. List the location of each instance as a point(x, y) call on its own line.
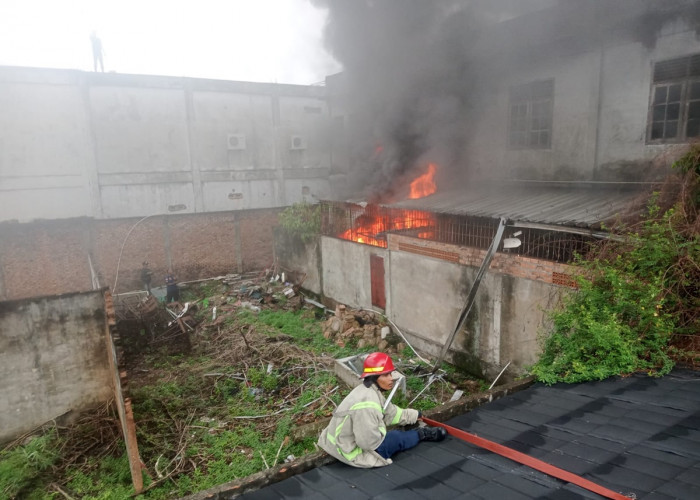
point(527, 460)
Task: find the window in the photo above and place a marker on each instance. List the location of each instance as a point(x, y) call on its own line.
point(674, 114)
point(531, 115)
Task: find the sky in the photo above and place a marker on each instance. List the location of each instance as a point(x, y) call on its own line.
point(250, 40)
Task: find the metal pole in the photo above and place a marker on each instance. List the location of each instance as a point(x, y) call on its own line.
point(391, 394)
point(475, 287)
point(499, 376)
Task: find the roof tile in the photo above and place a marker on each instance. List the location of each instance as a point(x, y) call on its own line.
point(635, 435)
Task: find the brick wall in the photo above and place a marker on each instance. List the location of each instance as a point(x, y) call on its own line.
point(51, 257)
point(511, 264)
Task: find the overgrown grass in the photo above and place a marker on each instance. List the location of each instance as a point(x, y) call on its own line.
point(197, 431)
point(303, 327)
point(22, 468)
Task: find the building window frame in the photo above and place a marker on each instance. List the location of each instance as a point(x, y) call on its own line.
point(674, 101)
point(530, 115)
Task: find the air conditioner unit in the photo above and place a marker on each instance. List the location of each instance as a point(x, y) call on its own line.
point(297, 142)
point(236, 141)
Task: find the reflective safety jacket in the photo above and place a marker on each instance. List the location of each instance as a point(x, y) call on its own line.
point(359, 425)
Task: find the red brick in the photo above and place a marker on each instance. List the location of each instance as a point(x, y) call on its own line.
point(51, 257)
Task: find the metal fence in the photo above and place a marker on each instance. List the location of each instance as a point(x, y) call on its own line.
point(369, 224)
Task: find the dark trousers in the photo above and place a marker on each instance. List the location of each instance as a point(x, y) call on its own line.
point(396, 441)
point(172, 293)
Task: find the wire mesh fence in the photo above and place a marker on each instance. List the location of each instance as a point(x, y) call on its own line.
point(369, 224)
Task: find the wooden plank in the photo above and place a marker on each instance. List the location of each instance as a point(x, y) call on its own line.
point(126, 416)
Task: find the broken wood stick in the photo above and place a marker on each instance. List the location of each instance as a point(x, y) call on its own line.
point(282, 444)
point(244, 337)
point(61, 491)
point(264, 461)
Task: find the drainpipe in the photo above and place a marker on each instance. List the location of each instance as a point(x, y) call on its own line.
point(599, 97)
point(472, 293)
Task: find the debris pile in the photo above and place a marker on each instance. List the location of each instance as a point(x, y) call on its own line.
point(366, 328)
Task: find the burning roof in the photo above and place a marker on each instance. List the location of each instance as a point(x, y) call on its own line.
point(545, 203)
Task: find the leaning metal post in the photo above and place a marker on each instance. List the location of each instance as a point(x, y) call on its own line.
point(472, 293)
point(397, 382)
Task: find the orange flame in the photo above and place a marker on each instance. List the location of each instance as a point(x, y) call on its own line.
point(423, 185)
point(368, 228)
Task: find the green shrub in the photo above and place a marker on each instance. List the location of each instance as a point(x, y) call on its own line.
point(633, 296)
point(302, 220)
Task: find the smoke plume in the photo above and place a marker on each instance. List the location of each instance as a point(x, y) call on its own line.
point(412, 68)
point(407, 83)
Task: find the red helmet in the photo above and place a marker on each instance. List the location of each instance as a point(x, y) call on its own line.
point(377, 363)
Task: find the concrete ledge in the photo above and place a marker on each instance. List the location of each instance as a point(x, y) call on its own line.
point(461, 406)
point(259, 480)
point(262, 479)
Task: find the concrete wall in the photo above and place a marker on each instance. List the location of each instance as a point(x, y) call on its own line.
point(53, 257)
point(625, 96)
point(53, 359)
point(426, 294)
point(105, 145)
point(346, 271)
point(601, 104)
point(293, 255)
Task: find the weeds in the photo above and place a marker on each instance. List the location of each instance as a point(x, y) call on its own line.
point(223, 411)
point(23, 466)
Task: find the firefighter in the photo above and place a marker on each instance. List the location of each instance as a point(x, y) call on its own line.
point(357, 432)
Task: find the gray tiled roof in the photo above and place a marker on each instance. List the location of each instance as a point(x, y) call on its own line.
point(636, 435)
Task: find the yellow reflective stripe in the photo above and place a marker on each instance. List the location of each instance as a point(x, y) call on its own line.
point(397, 417)
point(331, 437)
point(337, 429)
point(350, 456)
point(375, 369)
point(367, 404)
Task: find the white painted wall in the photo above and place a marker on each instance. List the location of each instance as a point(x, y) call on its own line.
point(626, 94)
point(106, 145)
point(45, 149)
point(601, 104)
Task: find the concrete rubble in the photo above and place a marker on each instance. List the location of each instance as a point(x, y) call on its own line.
point(367, 328)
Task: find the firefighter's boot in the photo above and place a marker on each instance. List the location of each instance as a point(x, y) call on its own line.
point(431, 433)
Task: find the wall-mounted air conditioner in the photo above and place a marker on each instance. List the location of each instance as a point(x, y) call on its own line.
point(236, 141)
point(297, 142)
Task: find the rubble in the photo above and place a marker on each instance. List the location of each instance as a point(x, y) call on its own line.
point(365, 328)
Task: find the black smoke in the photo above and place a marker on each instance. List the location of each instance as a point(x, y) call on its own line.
point(416, 72)
point(407, 84)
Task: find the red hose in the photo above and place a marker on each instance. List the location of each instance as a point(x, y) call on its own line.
point(527, 460)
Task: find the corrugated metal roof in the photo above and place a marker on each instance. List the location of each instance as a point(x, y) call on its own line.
point(565, 206)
